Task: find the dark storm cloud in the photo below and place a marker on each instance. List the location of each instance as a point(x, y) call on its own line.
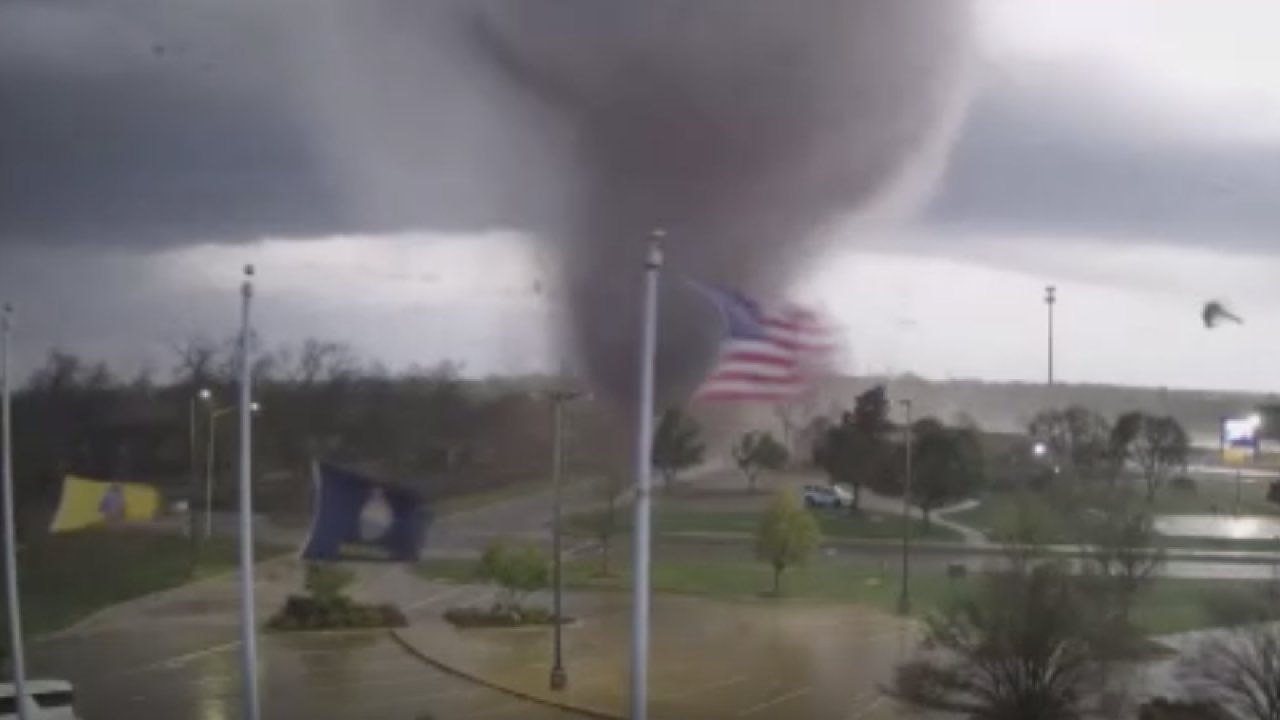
point(179, 121)
point(1039, 160)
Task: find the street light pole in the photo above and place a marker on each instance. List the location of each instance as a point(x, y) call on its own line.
point(559, 677)
point(904, 596)
point(1050, 299)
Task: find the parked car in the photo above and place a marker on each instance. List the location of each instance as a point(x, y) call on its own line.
point(827, 496)
point(46, 700)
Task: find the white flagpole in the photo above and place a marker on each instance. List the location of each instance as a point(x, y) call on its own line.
point(644, 446)
point(249, 625)
point(17, 656)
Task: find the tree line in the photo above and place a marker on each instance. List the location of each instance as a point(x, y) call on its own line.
point(426, 426)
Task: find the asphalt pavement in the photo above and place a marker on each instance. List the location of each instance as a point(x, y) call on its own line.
point(192, 672)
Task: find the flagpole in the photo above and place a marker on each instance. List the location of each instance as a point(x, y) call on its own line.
point(17, 656)
point(644, 447)
point(248, 623)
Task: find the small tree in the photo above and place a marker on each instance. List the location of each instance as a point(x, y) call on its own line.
point(947, 465)
point(757, 451)
point(328, 583)
point(604, 522)
point(1123, 557)
point(1017, 649)
point(677, 445)
point(1160, 447)
point(787, 535)
point(1238, 670)
point(517, 570)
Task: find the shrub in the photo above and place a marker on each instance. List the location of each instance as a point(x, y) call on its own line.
point(498, 616)
point(1183, 484)
point(516, 569)
point(328, 582)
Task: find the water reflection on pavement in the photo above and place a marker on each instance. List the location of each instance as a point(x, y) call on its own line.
point(191, 671)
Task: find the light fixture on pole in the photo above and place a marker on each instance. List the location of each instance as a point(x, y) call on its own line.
point(559, 676)
point(210, 455)
point(904, 594)
point(1050, 299)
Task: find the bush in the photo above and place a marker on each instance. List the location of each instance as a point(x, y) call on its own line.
point(517, 569)
point(1183, 484)
point(499, 616)
point(308, 613)
point(326, 581)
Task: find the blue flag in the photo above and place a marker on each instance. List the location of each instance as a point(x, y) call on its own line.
point(358, 518)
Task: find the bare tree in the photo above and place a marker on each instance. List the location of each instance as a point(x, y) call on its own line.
point(1239, 670)
point(1123, 556)
point(197, 361)
point(1020, 648)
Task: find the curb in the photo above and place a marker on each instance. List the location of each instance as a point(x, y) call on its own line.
point(521, 694)
point(1240, 557)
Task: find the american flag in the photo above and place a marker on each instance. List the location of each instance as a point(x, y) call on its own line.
point(765, 355)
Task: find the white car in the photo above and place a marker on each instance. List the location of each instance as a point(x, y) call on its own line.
point(827, 496)
point(46, 700)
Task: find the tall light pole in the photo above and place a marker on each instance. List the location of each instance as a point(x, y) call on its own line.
point(559, 677)
point(644, 468)
point(192, 451)
point(210, 453)
point(17, 652)
point(904, 595)
point(1050, 299)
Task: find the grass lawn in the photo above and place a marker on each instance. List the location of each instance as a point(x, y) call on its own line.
point(834, 524)
point(1168, 606)
point(65, 578)
point(1058, 517)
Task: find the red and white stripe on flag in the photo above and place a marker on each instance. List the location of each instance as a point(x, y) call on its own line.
point(795, 347)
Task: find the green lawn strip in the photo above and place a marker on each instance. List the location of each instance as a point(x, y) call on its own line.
point(1169, 605)
point(65, 578)
point(1058, 522)
point(836, 524)
point(484, 498)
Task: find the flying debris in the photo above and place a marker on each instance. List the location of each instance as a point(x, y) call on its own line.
point(1215, 313)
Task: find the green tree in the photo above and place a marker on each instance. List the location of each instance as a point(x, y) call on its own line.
point(517, 570)
point(947, 465)
point(787, 535)
point(327, 583)
point(757, 451)
point(857, 451)
point(677, 445)
point(1019, 648)
point(1078, 440)
point(605, 521)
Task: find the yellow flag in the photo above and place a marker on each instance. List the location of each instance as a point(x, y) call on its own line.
point(86, 503)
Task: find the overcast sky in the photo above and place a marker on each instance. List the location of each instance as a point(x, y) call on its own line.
point(1126, 151)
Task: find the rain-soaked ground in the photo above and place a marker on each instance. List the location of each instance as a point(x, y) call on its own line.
point(192, 672)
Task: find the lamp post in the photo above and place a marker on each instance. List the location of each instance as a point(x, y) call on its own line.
point(1050, 299)
point(192, 449)
point(559, 677)
point(210, 452)
point(904, 596)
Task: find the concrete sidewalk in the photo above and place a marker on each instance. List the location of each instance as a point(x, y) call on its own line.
point(709, 659)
